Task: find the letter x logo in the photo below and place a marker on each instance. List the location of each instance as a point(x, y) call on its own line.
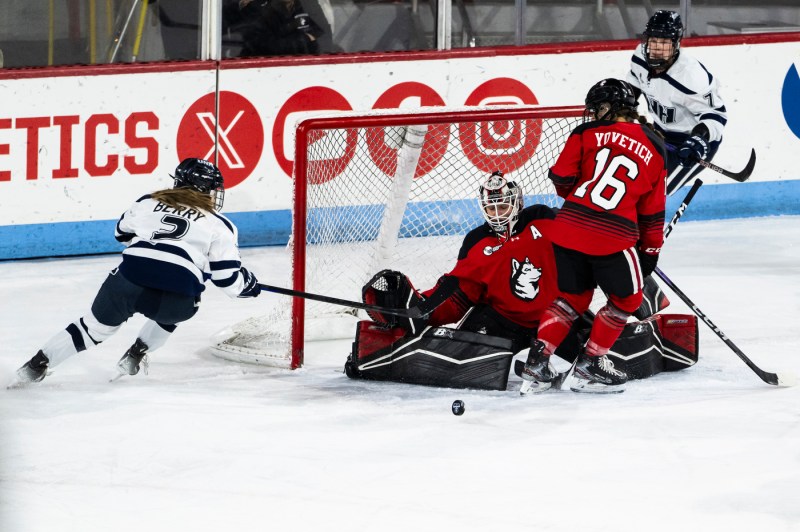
point(226, 149)
point(238, 134)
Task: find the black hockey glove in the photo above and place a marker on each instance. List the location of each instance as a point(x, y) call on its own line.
point(692, 150)
point(251, 286)
point(648, 262)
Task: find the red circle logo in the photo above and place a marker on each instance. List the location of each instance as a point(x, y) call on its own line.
point(324, 166)
point(385, 155)
point(500, 145)
point(239, 133)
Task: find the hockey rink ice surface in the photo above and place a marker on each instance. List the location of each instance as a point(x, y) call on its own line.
point(203, 444)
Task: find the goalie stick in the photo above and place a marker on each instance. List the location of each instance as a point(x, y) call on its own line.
point(782, 379)
point(412, 313)
point(740, 176)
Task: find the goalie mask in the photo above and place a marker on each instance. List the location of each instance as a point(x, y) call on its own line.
point(661, 39)
point(202, 176)
point(607, 98)
point(501, 201)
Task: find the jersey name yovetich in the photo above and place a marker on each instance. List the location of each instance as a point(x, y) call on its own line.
point(680, 98)
point(177, 250)
point(612, 177)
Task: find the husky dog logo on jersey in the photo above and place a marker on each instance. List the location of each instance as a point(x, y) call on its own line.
point(525, 279)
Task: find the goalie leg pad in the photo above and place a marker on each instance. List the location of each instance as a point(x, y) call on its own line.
point(440, 356)
point(680, 340)
point(637, 351)
point(665, 342)
point(653, 299)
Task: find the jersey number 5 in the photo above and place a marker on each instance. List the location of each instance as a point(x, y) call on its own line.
point(176, 228)
point(604, 183)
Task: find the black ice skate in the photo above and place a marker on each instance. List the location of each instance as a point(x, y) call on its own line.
point(32, 371)
point(538, 373)
point(133, 359)
point(596, 374)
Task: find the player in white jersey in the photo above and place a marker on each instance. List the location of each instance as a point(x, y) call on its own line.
point(176, 241)
point(682, 96)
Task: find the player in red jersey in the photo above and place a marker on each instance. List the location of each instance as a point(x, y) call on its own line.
point(503, 280)
point(505, 267)
point(611, 174)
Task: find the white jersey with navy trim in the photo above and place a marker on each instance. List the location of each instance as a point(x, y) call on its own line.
point(177, 250)
point(682, 97)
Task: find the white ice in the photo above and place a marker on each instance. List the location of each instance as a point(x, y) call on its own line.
point(203, 444)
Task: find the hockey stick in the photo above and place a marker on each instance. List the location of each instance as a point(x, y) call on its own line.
point(740, 176)
point(412, 313)
point(682, 207)
point(782, 379)
point(770, 378)
point(559, 380)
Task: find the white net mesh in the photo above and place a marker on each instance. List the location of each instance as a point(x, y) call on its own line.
point(397, 192)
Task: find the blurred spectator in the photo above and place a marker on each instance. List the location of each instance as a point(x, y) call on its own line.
point(278, 27)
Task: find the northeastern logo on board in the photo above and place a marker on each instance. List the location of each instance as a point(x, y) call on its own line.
point(790, 99)
point(239, 133)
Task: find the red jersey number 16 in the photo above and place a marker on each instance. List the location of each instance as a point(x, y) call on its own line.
point(604, 179)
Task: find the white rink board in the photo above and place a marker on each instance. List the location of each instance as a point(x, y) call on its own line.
point(80, 149)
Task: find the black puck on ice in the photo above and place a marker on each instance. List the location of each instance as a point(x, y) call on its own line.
point(458, 407)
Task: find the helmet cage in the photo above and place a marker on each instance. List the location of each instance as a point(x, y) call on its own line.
point(202, 176)
point(662, 25)
point(500, 201)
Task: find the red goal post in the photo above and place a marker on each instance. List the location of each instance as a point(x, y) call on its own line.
point(394, 189)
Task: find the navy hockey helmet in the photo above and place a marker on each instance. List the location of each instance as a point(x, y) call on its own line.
point(202, 176)
point(663, 24)
point(501, 201)
point(615, 93)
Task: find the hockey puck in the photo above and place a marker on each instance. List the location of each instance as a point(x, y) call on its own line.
point(458, 407)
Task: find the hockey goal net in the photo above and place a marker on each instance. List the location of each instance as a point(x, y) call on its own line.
point(393, 190)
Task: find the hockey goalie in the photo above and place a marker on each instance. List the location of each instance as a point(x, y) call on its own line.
point(467, 329)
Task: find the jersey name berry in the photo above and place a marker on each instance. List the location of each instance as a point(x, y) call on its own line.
point(184, 212)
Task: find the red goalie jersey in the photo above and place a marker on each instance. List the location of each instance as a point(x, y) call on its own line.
point(516, 277)
point(612, 178)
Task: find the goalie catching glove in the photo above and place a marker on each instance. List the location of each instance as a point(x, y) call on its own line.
point(393, 290)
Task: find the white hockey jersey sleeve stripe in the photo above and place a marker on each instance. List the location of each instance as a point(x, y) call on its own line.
point(225, 265)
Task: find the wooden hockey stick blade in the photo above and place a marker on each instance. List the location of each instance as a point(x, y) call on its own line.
point(404, 313)
point(741, 176)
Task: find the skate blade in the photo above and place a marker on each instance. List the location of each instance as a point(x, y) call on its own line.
point(533, 387)
point(17, 383)
point(579, 386)
point(117, 376)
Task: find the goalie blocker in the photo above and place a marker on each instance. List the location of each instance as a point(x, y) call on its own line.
point(385, 349)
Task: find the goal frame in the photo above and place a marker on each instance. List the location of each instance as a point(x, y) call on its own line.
point(300, 176)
